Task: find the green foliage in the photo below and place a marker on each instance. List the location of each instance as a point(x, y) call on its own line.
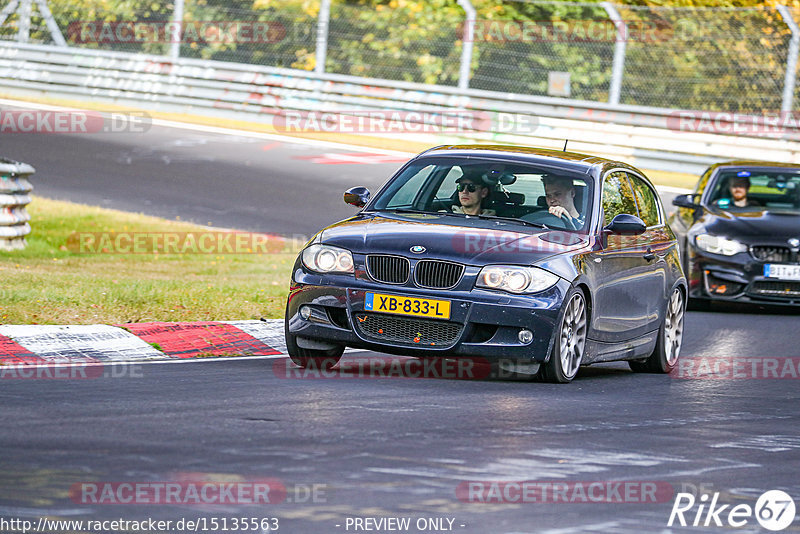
point(696, 54)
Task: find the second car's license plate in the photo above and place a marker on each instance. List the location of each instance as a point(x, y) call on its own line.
point(782, 272)
point(437, 309)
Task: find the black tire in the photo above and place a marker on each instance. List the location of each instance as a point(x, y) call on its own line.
point(570, 342)
point(699, 304)
point(322, 360)
point(670, 337)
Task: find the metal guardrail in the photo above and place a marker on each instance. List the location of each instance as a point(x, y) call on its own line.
point(646, 137)
point(14, 197)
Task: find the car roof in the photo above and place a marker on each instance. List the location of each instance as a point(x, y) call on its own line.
point(754, 163)
point(583, 163)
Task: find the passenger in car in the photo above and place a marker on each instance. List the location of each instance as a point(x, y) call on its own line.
point(472, 193)
point(560, 195)
point(739, 189)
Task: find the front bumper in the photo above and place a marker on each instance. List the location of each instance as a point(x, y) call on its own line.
point(483, 324)
point(737, 278)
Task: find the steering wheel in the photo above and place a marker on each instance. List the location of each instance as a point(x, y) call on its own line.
point(550, 220)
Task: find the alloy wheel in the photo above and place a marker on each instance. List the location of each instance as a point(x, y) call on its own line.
point(573, 336)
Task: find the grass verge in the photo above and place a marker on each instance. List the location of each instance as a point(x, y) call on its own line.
point(52, 282)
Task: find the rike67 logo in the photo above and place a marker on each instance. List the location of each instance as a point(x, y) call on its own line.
point(774, 510)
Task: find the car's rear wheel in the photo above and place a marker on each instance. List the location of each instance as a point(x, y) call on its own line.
point(570, 342)
point(670, 338)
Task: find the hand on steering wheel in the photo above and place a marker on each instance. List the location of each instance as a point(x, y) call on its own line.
point(564, 215)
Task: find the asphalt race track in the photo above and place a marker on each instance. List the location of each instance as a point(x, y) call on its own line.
point(229, 181)
point(375, 447)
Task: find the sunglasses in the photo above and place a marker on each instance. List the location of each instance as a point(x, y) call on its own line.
point(467, 187)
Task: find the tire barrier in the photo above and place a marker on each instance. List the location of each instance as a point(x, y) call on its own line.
point(15, 191)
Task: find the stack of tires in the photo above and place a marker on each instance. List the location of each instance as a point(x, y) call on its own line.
point(14, 197)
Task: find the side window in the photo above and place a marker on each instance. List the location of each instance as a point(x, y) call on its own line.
point(406, 194)
point(617, 196)
point(646, 200)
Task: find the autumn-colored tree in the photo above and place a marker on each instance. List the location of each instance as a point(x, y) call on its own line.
point(698, 54)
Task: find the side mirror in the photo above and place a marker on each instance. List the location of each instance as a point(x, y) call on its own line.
point(687, 201)
point(627, 224)
point(357, 196)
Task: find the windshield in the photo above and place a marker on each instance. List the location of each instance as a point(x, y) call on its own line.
point(757, 190)
point(486, 188)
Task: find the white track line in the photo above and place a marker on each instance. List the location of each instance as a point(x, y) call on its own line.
point(223, 131)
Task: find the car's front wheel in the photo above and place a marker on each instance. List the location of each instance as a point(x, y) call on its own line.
point(570, 343)
point(670, 337)
point(318, 359)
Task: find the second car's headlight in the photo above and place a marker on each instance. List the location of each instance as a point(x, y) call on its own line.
point(719, 245)
point(328, 259)
point(515, 279)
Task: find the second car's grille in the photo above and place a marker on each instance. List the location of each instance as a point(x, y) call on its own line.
point(775, 254)
point(388, 269)
point(438, 274)
point(422, 332)
point(776, 289)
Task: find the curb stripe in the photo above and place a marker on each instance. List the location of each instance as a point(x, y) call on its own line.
point(12, 353)
point(188, 340)
point(80, 343)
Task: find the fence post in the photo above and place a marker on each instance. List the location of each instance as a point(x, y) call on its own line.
point(177, 35)
point(24, 28)
point(791, 60)
point(467, 43)
point(52, 25)
point(323, 23)
point(618, 67)
point(14, 189)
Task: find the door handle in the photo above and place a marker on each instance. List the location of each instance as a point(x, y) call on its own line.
point(649, 255)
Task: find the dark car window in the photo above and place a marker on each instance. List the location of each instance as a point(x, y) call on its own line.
point(645, 200)
point(516, 190)
point(775, 189)
point(618, 197)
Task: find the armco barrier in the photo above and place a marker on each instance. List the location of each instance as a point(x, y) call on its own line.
point(646, 137)
point(14, 189)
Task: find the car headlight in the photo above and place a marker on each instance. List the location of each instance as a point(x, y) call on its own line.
point(719, 245)
point(328, 259)
point(515, 279)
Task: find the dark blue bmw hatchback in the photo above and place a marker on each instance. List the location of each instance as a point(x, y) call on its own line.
point(538, 260)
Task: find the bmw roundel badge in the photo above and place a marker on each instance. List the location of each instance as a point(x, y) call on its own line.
point(417, 249)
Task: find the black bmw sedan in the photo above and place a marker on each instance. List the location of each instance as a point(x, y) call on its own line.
point(740, 234)
point(532, 258)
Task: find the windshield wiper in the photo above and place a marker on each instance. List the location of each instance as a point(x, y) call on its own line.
point(514, 220)
point(408, 210)
point(400, 210)
point(465, 216)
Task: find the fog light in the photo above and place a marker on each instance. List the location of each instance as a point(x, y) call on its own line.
point(525, 336)
point(305, 312)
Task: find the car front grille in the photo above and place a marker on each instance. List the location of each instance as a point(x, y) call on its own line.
point(409, 331)
point(438, 274)
point(773, 254)
point(781, 288)
point(388, 269)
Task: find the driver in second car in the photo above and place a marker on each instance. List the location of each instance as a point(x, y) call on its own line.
point(560, 195)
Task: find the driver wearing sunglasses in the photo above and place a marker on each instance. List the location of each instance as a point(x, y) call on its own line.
point(471, 194)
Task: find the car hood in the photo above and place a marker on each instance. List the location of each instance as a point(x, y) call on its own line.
point(753, 226)
point(376, 234)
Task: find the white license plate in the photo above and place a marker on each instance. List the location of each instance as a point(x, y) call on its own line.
point(782, 272)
